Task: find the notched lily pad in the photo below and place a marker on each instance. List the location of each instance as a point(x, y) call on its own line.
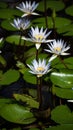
point(17, 114)
point(9, 77)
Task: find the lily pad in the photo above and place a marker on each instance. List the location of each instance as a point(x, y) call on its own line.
point(66, 30)
point(6, 24)
point(14, 39)
point(63, 78)
point(69, 10)
point(29, 77)
point(16, 114)
point(27, 99)
point(9, 13)
point(62, 114)
point(59, 22)
point(63, 93)
point(9, 77)
point(52, 4)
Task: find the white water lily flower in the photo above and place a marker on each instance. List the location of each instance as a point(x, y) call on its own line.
point(28, 8)
point(38, 36)
point(57, 48)
point(21, 23)
point(39, 68)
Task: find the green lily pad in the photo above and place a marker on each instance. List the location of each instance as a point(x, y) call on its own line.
point(61, 127)
point(70, 33)
point(29, 77)
point(3, 5)
point(14, 39)
point(4, 101)
point(52, 4)
point(6, 24)
point(62, 114)
point(57, 5)
point(69, 10)
point(63, 78)
point(56, 63)
point(16, 114)
point(27, 99)
point(66, 30)
point(9, 13)
point(9, 77)
point(63, 93)
point(59, 22)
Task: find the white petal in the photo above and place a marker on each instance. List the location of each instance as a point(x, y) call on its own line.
point(37, 45)
point(35, 13)
point(52, 57)
point(69, 100)
point(65, 54)
point(24, 15)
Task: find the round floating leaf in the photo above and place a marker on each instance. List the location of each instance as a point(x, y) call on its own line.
point(29, 77)
point(64, 93)
point(9, 13)
point(59, 22)
point(3, 5)
point(27, 99)
point(4, 101)
point(62, 114)
point(52, 4)
point(66, 30)
point(6, 24)
point(14, 39)
point(57, 5)
point(9, 77)
point(69, 10)
point(61, 127)
point(63, 78)
point(16, 114)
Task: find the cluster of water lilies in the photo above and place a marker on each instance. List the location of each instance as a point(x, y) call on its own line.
point(38, 36)
point(39, 69)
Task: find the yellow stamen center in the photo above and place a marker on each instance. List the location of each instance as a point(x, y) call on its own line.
point(38, 36)
point(58, 49)
point(40, 69)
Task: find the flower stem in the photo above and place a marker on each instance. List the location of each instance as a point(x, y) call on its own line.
point(36, 54)
point(63, 62)
point(39, 92)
